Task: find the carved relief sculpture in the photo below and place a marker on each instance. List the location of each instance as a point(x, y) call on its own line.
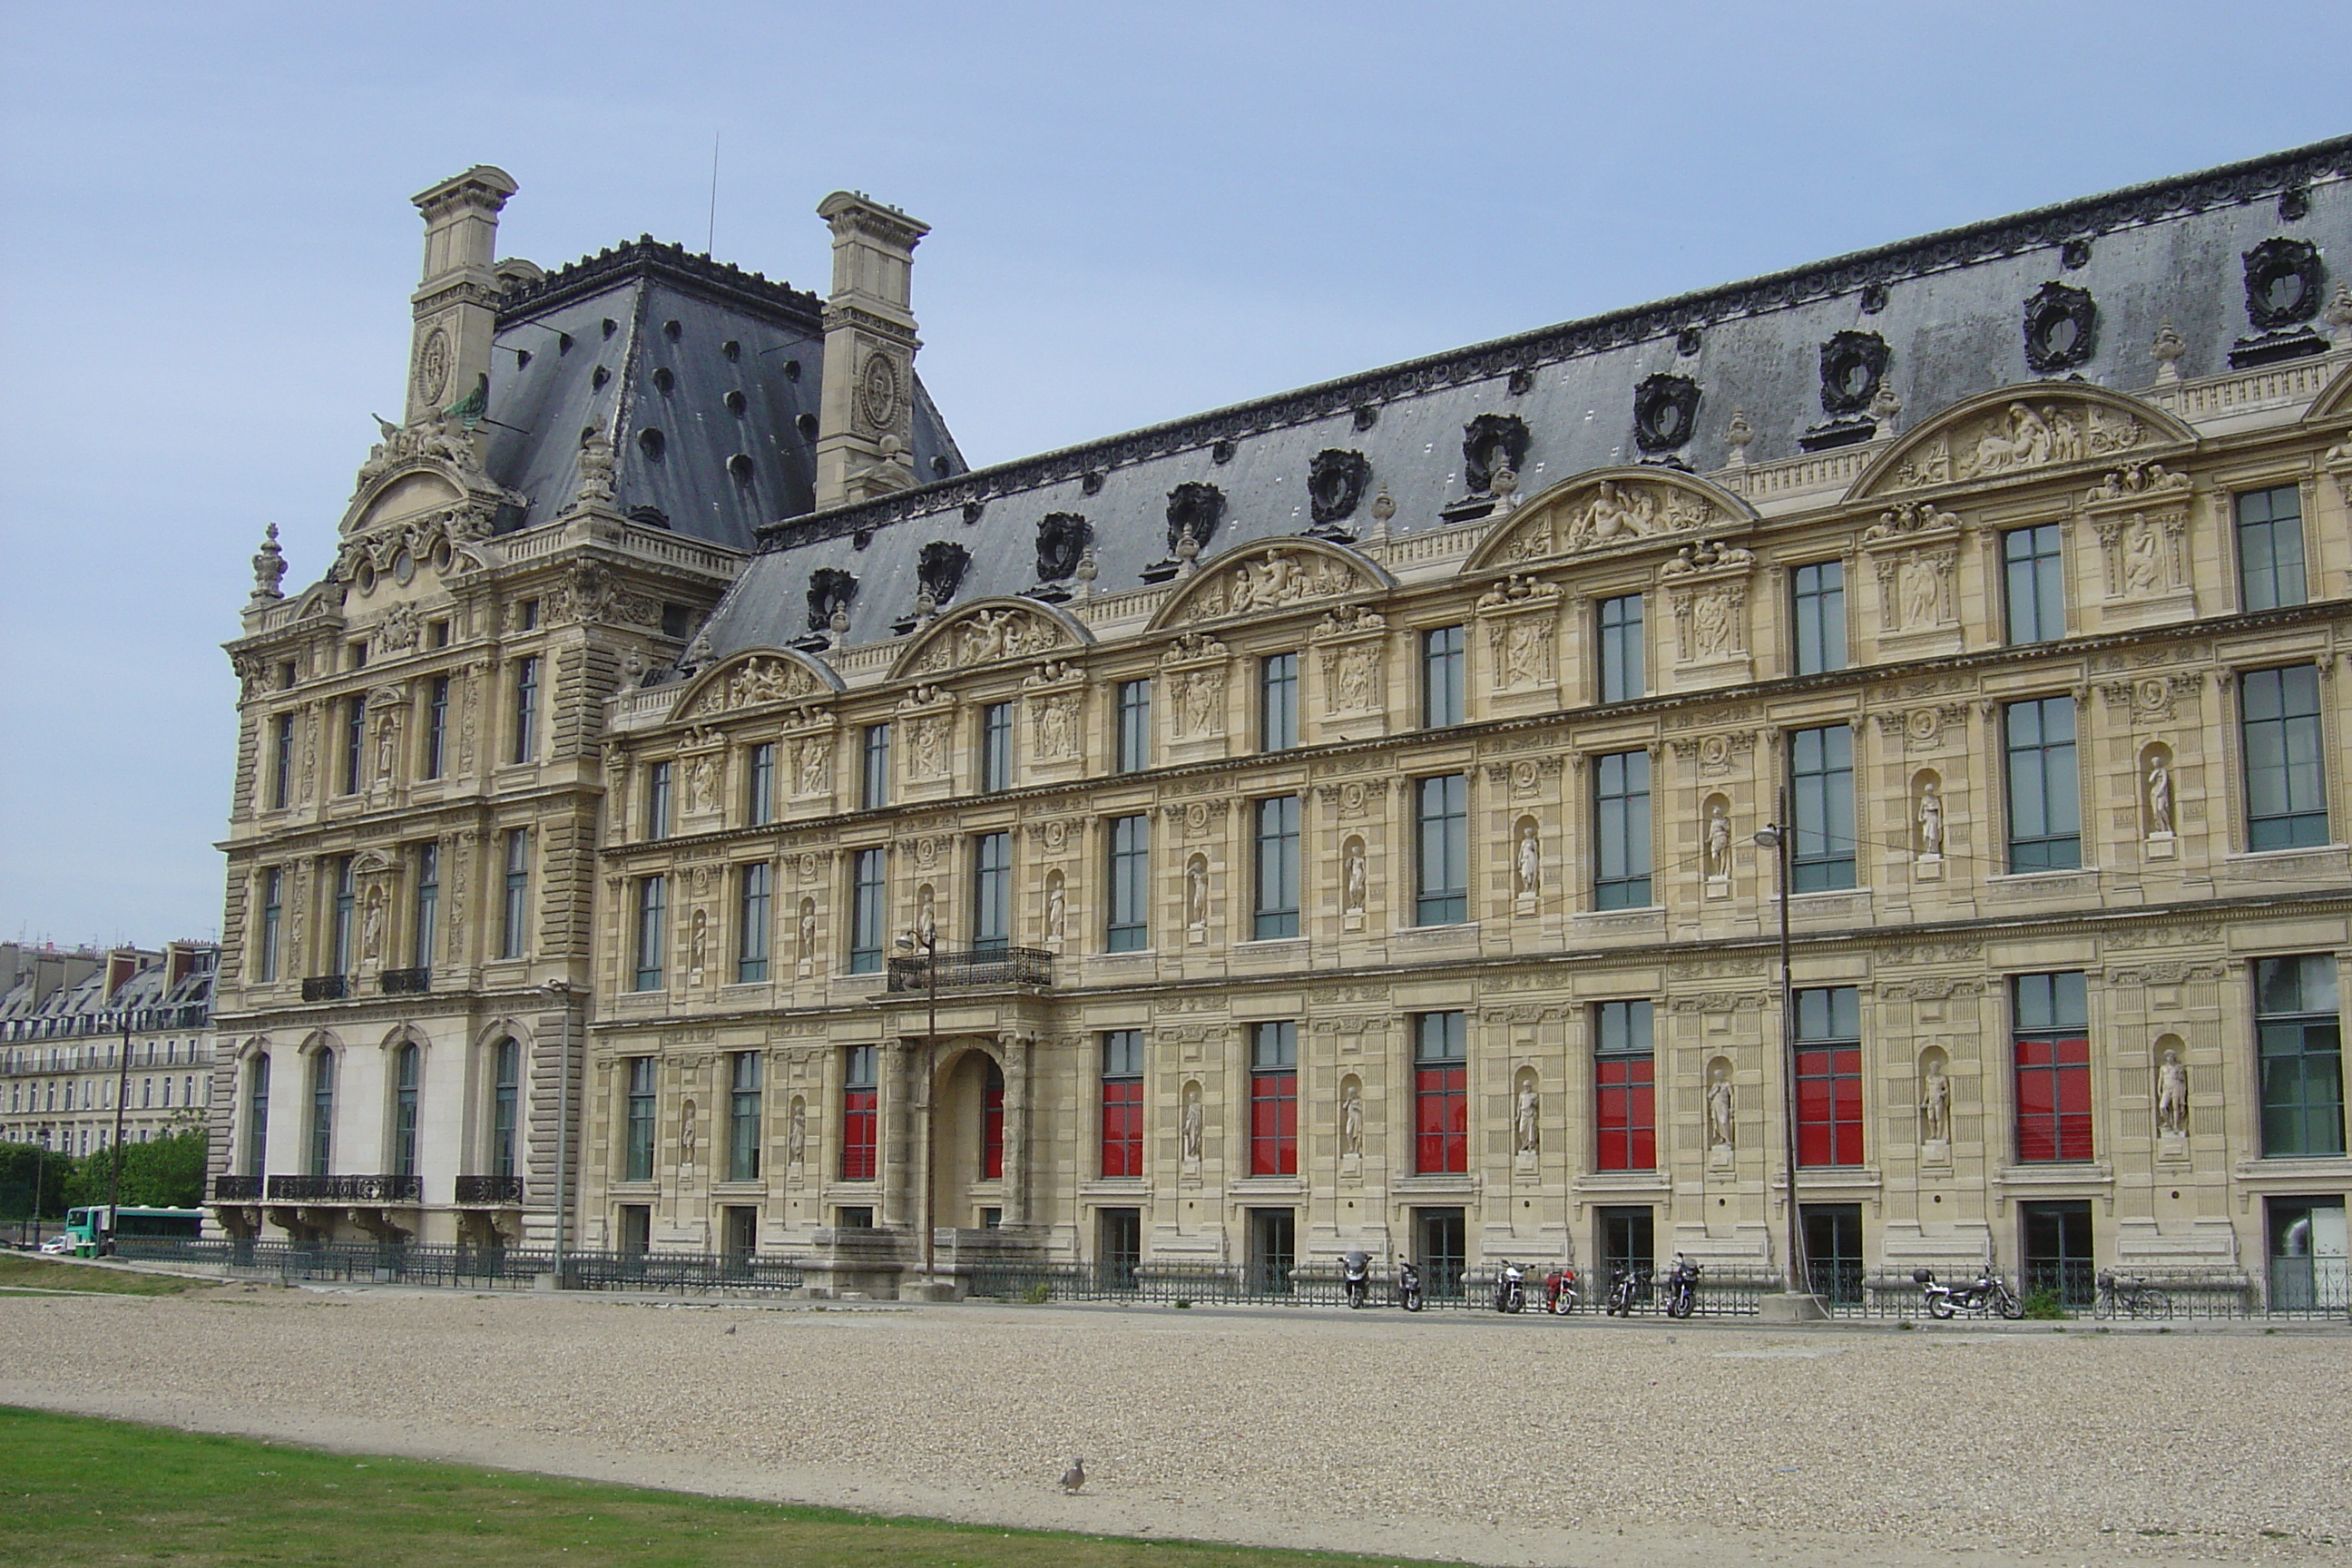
point(813, 772)
point(2022, 436)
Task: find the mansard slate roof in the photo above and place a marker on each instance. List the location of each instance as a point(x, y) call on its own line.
point(1950, 308)
point(658, 321)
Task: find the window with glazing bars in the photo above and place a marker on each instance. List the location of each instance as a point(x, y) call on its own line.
point(992, 892)
point(322, 1113)
point(2045, 819)
point(1277, 702)
point(256, 1117)
point(996, 747)
point(2286, 747)
point(2049, 1037)
point(1441, 676)
point(1624, 1088)
point(657, 800)
point(1620, 842)
point(869, 912)
point(1134, 726)
point(2035, 575)
point(653, 925)
point(506, 1094)
point(2270, 549)
point(1821, 779)
point(1817, 603)
point(514, 910)
point(2299, 1038)
point(425, 922)
point(437, 725)
point(281, 772)
point(1276, 910)
point(743, 1117)
point(273, 910)
point(874, 767)
point(1122, 1103)
point(752, 912)
point(346, 910)
point(1129, 927)
point(1829, 1075)
point(1621, 674)
point(638, 1147)
point(759, 785)
point(526, 710)
point(403, 1110)
point(860, 1099)
point(1442, 837)
point(354, 743)
point(1273, 1099)
point(1441, 1093)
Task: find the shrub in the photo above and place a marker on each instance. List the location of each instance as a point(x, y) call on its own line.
point(2042, 1304)
point(1037, 1295)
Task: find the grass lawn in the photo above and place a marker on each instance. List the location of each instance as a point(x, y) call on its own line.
point(19, 1270)
point(78, 1491)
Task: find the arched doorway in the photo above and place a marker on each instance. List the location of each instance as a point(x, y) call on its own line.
point(968, 1143)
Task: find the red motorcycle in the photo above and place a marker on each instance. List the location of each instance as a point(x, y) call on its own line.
point(1560, 1291)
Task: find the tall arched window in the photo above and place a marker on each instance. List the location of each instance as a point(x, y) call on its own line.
point(403, 1111)
point(257, 1116)
point(506, 1074)
point(322, 1112)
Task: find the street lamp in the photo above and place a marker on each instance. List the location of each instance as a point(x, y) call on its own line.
point(1775, 835)
point(926, 935)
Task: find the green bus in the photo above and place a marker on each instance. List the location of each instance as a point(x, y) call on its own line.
point(88, 1228)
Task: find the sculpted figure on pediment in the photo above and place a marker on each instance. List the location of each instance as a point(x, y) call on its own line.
point(1999, 434)
point(1601, 511)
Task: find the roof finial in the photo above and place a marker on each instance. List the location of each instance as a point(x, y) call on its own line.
point(268, 569)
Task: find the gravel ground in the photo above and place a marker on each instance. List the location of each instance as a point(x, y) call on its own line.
point(1450, 1436)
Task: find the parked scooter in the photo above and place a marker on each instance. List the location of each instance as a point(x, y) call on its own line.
point(1626, 1286)
point(1408, 1285)
point(1682, 1288)
point(1356, 1272)
point(1511, 1289)
point(1991, 1293)
point(1560, 1291)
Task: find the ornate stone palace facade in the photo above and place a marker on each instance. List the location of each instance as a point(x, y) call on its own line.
point(1332, 822)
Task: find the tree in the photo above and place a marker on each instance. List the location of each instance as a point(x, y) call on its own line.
point(165, 1173)
point(20, 1164)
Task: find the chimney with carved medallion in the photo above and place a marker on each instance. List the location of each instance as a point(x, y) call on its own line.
point(456, 304)
point(866, 411)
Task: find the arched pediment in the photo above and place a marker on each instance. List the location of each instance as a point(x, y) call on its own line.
point(1603, 509)
point(758, 678)
point(2334, 398)
point(989, 631)
point(400, 496)
point(1266, 575)
point(2019, 430)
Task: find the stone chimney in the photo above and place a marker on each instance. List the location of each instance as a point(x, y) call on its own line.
point(456, 304)
point(864, 445)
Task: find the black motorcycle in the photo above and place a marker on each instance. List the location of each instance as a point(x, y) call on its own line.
point(1682, 1288)
point(1511, 1289)
point(1989, 1294)
point(1627, 1285)
point(1356, 1273)
point(1407, 1287)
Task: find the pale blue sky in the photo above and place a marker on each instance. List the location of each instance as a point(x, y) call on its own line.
point(1137, 212)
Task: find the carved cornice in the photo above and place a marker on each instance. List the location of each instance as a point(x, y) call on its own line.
point(648, 258)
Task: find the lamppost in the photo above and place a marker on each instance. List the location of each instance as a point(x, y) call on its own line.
point(1798, 1300)
point(926, 935)
point(560, 992)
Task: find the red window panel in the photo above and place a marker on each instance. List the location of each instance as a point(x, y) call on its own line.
point(1273, 1124)
point(1122, 1129)
point(992, 1128)
point(857, 1123)
point(2053, 1097)
point(1441, 1120)
point(1829, 1106)
point(1625, 1100)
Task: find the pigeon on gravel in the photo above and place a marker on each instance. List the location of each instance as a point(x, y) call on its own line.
point(1075, 1476)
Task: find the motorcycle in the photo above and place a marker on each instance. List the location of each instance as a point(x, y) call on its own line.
point(1560, 1291)
point(1682, 1288)
point(1989, 1294)
point(1408, 1285)
point(1626, 1286)
point(1356, 1273)
point(1511, 1289)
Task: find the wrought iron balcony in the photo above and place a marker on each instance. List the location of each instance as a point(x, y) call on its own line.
point(326, 988)
point(489, 1189)
point(975, 966)
point(346, 1189)
point(406, 982)
point(236, 1189)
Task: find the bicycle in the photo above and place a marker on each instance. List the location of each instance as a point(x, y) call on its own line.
point(2130, 1298)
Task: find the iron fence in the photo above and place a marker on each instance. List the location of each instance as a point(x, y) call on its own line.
point(350, 1189)
point(471, 1267)
point(1311, 1285)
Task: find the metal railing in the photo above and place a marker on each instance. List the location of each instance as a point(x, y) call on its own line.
point(974, 966)
point(470, 1268)
point(326, 988)
point(345, 1189)
point(489, 1189)
point(236, 1189)
point(69, 1025)
point(405, 981)
point(1310, 1284)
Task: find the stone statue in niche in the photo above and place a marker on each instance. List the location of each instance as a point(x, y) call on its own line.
point(1531, 866)
point(698, 942)
point(1931, 821)
point(1353, 878)
point(1196, 893)
point(1935, 1105)
point(1722, 1121)
point(2172, 1097)
point(685, 1134)
point(927, 920)
point(796, 1133)
point(387, 747)
point(1718, 840)
point(372, 924)
point(1352, 1120)
point(1188, 1135)
point(808, 931)
point(1055, 908)
point(1527, 1121)
point(2160, 797)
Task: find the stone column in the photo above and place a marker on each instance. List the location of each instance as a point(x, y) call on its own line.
point(1016, 1049)
point(895, 1094)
